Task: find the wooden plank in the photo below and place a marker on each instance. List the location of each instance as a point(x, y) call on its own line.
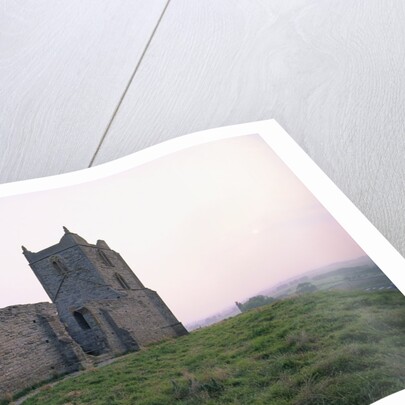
point(63, 68)
point(331, 72)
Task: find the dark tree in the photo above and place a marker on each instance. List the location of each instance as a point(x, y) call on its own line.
point(305, 288)
point(254, 302)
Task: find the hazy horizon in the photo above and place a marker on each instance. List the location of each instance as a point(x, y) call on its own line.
point(204, 226)
point(265, 291)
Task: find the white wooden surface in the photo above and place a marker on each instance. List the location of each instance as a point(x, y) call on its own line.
point(331, 72)
point(63, 68)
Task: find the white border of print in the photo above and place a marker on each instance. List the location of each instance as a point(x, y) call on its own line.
point(344, 211)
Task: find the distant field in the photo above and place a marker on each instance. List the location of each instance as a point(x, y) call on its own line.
point(367, 278)
point(333, 348)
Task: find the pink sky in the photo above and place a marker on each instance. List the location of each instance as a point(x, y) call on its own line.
point(204, 227)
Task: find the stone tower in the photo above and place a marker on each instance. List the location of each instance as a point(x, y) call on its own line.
point(103, 305)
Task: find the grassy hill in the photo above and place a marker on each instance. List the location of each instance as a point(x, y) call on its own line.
point(318, 348)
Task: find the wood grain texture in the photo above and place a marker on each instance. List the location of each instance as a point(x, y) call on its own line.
point(330, 72)
point(63, 68)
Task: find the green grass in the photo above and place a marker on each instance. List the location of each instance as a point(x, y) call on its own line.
point(321, 348)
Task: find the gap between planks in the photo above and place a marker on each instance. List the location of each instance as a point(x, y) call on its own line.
point(128, 84)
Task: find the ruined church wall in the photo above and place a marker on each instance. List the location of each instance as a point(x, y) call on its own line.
point(136, 320)
point(34, 347)
point(112, 265)
point(76, 265)
point(177, 328)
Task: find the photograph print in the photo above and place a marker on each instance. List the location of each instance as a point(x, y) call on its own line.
point(209, 275)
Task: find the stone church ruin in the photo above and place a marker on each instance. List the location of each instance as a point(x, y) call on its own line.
point(99, 310)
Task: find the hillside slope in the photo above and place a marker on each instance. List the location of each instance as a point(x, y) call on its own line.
point(320, 348)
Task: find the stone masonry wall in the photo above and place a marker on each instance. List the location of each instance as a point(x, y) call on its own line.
point(34, 347)
point(77, 268)
point(142, 314)
point(115, 264)
point(100, 309)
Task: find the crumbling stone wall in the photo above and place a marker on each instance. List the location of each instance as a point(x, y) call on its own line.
point(34, 347)
point(100, 309)
point(135, 320)
point(109, 264)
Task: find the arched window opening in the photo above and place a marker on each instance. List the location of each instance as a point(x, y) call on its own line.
point(58, 265)
point(81, 320)
point(122, 282)
point(105, 258)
